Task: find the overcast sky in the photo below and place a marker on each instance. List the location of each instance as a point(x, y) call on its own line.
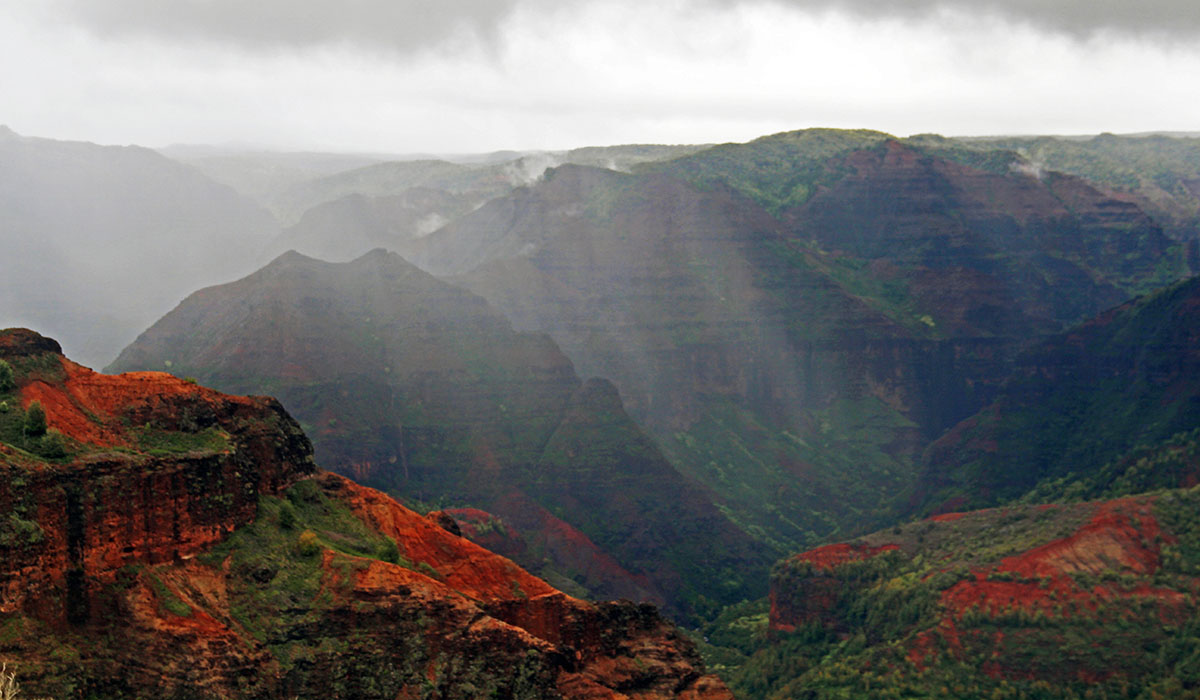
point(482, 75)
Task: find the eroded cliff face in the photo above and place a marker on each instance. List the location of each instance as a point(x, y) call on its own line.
point(176, 542)
point(154, 469)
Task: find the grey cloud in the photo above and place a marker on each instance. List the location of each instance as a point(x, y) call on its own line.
point(410, 25)
point(401, 25)
point(1079, 18)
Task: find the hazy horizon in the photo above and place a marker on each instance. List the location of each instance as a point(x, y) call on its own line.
point(373, 77)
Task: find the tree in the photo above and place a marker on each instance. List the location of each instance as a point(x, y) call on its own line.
point(35, 420)
point(7, 382)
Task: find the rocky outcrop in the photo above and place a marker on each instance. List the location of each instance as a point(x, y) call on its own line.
point(125, 491)
point(193, 527)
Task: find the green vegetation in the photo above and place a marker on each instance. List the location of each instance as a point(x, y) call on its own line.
point(167, 598)
point(25, 430)
point(7, 382)
point(1172, 463)
point(162, 442)
point(795, 491)
point(882, 627)
point(282, 594)
point(778, 171)
point(35, 420)
point(275, 561)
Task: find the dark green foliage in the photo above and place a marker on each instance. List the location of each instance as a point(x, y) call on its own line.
point(16, 531)
point(51, 445)
point(390, 552)
point(35, 420)
point(7, 382)
point(888, 612)
point(1171, 463)
point(1179, 513)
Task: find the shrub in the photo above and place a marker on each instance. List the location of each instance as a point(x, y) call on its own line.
point(51, 445)
point(307, 544)
point(388, 551)
point(7, 382)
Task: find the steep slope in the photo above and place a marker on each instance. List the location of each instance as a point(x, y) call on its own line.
point(1094, 599)
point(389, 179)
point(102, 240)
point(194, 528)
point(1111, 391)
point(410, 384)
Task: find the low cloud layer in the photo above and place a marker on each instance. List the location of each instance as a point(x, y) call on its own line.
point(414, 25)
point(1081, 18)
point(403, 25)
point(482, 75)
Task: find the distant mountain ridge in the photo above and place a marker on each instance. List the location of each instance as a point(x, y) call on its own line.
point(101, 240)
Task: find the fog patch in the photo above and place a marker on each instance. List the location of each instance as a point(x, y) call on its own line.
point(530, 169)
point(428, 224)
point(1028, 168)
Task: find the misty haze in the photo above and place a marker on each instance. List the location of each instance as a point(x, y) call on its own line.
point(701, 350)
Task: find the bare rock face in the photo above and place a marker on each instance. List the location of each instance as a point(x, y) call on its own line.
point(194, 528)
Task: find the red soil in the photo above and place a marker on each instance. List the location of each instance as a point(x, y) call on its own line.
point(834, 555)
point(88, 405)
point(946, 517)
point(1122, 538)
point(459, 563)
